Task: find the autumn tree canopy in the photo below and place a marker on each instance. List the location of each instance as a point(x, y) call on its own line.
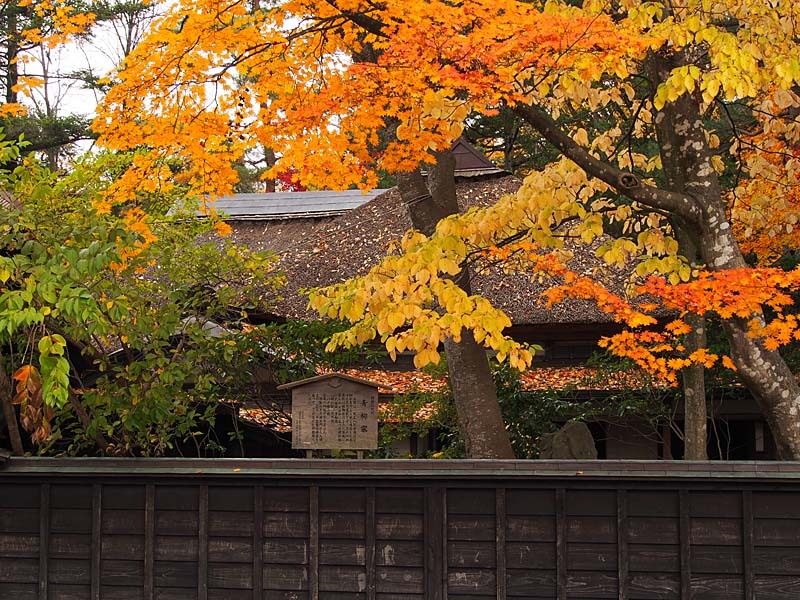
point(680, 144)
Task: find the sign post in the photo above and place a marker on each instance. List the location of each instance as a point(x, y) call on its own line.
point(334, 412)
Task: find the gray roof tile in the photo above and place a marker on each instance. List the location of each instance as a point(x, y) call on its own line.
point(289, 205)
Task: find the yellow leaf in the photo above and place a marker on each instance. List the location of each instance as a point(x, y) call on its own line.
point(581, 137)
point(395, 319)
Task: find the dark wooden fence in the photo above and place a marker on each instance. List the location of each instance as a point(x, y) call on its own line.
point(88, 529)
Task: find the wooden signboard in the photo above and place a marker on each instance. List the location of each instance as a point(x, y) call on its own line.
point(334, 412)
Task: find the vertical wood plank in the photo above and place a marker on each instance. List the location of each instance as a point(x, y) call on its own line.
point(435, 527)
point(443, 546)
point(258, 542)
point(500, 522)
point(202, 545)
point(97, 542)
point(561, 543)
point(313, 541)
point(666, 436)
point(44, 538)
point(747, 545)
point(370, 543)
point(149, 538)
point(685, 544)
point(622, 543)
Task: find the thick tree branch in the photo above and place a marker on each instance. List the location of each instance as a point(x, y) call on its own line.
point(6, 394)
point(624, 182)
point(361, 19)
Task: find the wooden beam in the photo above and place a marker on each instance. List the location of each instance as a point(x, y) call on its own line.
point(622, 543)
point(258, 542)
point(501, 525)
point(561, 543)
point(149, 539)
point(747, 545)
point(685, 544)
point(369, 543)
point(435, 540)
point(97, 539)
point(44, 539)
point(313, 541)
point(202, 544)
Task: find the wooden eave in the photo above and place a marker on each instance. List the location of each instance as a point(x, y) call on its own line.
point(294, 384)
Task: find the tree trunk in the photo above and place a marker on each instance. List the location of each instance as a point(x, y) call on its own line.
point(474, 393)
point(695, 434)
point(12, 49)
point(701, 210)
point(695, 411)
point(6, 394)
point(772, 384)
point(686, 159)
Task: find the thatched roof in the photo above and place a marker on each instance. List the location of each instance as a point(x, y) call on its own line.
point(319, 252)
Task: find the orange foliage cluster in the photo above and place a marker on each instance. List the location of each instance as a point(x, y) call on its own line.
point(766, 204)
point(661, 354)
point(536, 378)
point(735, 293)
point(729, 293)
point(741, 293)
point(213, 81)
point(34, 414)
point(576, 286)
point(136, 222)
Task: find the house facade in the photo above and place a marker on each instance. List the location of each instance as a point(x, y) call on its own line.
point(324, 238)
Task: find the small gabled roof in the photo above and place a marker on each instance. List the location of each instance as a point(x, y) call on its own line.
point(471, 162)
point(291, 205)
point(294, 384)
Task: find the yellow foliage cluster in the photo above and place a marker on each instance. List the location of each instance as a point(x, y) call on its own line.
point(320, 89)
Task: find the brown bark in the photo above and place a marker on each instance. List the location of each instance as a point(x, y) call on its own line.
point(474, 394)
point(701, 210)
point(695, 430)
point(6, 396)
point(695, 413)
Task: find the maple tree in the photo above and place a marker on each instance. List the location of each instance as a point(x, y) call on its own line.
point(668, 88)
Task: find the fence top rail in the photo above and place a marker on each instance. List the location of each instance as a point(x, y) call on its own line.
point(378, 469)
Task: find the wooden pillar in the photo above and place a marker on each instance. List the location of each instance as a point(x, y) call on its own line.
point(149, 540)
point(685, 544)
point(369, 543)
point(747, 545)
point(202, 545)
point(435, 536)
point(97, 539)
point(313, 542)
point(258, 542)
point(44, 539)
point(501, 524)
point(622, 543)
point(561, 543)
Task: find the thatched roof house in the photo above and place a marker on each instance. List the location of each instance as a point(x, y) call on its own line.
point(322, 248)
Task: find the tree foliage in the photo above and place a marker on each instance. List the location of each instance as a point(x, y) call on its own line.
point(119, 337)
point(690, 151)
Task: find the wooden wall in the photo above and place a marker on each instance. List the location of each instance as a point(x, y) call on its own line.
point(394, 530)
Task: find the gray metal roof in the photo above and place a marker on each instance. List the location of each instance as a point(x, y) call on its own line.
point(291, 205)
